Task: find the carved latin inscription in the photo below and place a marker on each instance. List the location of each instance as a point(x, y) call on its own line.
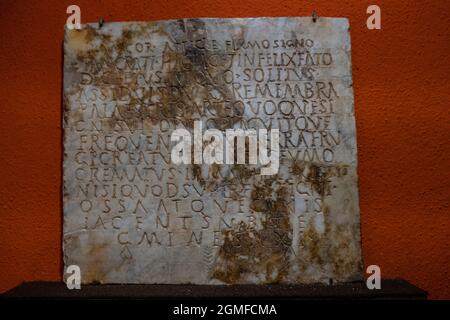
point(132, 215)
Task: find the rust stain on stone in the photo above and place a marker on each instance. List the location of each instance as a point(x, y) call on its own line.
point(263, 252)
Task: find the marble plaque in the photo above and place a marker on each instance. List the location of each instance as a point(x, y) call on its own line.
point(132, 214)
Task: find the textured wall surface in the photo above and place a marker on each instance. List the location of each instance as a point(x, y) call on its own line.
point(401, 87)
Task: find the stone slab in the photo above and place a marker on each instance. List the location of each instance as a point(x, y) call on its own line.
point(131, 215)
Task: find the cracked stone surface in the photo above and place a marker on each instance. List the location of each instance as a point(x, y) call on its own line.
point(133, 216)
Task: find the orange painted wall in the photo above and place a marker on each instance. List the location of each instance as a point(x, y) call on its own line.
point(402, 95)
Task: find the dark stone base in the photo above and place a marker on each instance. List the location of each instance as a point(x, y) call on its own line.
point(390, 289)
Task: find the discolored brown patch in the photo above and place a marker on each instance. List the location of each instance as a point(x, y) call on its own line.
point(263, 253)
point(330, 252)
point(124, 40)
